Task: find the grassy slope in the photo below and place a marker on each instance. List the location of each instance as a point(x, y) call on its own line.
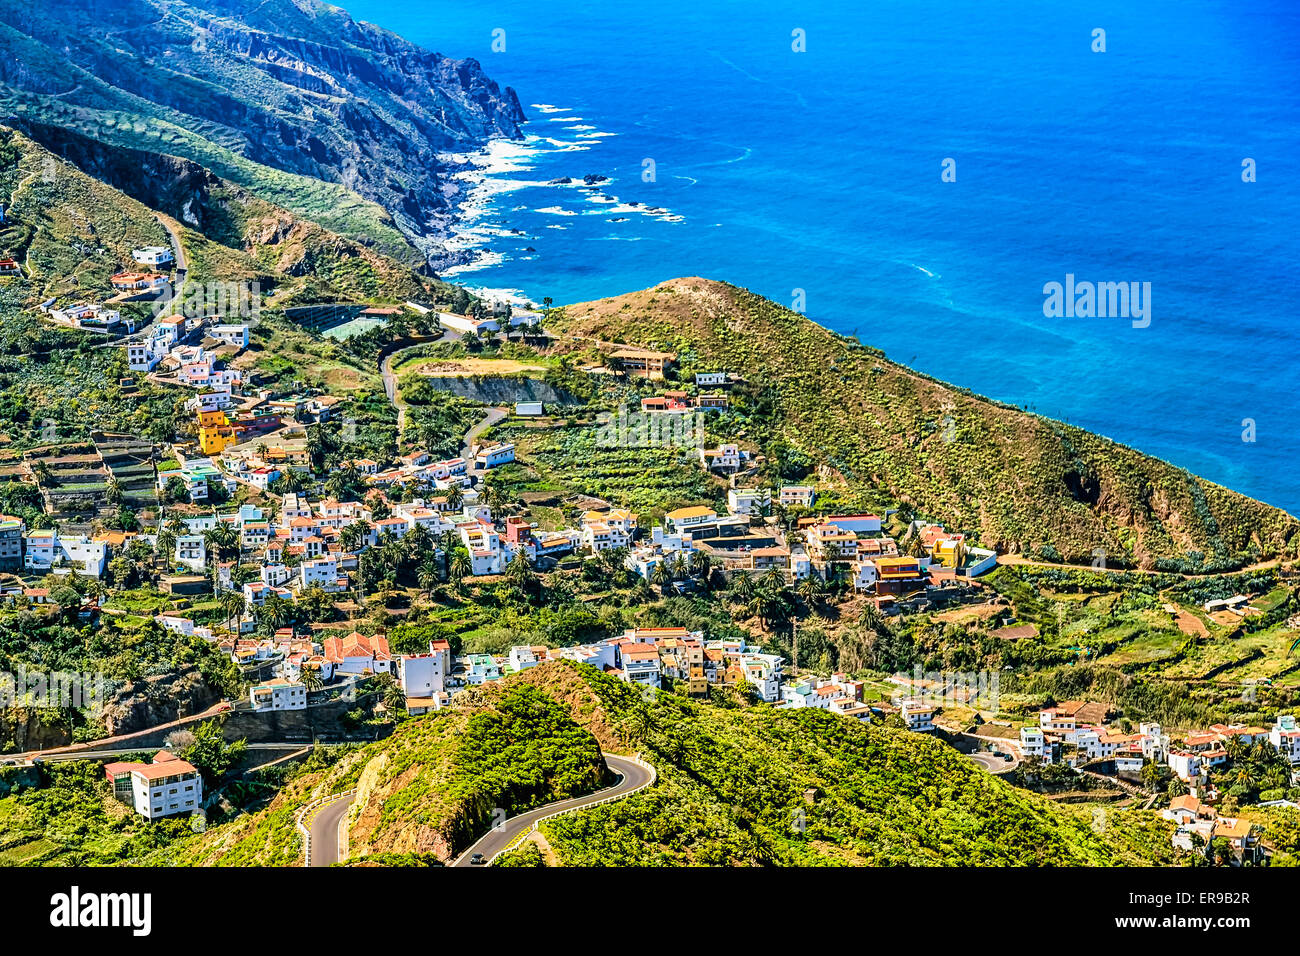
point(732, 786)
point(431, 787)
point(123, 119)
point(1019, 480)
point(54, 204)
point(731, 783)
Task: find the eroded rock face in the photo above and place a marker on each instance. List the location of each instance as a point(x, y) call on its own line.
point(294, 85)
point(23, 729)
point(158, 700)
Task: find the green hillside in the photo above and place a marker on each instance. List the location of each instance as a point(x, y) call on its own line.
point(747, 786)
point(430, 788)
point(1019, 481)
point(738, 786)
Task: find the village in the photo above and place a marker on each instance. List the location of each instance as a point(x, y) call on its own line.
point(262, 558)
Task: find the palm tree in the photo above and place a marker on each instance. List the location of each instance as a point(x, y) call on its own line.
point(114, 492)
point(417, 542)
point(810, 591)
point(275, 613)
point(223, 541)
point(166, 547)
point(233, 605)
point(459, 567)
point(427, 576)
point(742, 587)
point(309, 677)
point(351, 536)
point(661, 575)
point(455, 497)
point(701, 565)
point(520, 573)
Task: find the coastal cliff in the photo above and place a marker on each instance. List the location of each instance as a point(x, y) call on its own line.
point(250, 89)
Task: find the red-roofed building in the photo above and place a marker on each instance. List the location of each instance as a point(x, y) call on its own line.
point(356, 654)
point(166, 787)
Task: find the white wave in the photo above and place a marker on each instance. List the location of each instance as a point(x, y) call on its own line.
point(556, 211)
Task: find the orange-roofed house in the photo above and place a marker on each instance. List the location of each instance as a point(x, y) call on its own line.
point(166, 787)
point(356, 654)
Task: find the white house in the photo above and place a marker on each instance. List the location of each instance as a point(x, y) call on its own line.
point(153, 256)
point(796, 495)
point(45, 550)
point(495, 455)
point(465, 323)
point(1185, 764)
point(278, 694)
point(918, 715)
point(191, 551)
point(708, 379)
point(236, 335)
point(639, 663)
point(322, 572)
point(748, 501)
point(422, 675)
point(1033, 743)
point(163, 788)
point(864, 575)
point(522, 657)
point(1285, 737)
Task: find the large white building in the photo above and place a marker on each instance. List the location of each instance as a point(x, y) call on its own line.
point(45, 550)
point(423, 675)
point(163, 788)
point(153, 256)
point(278, 694)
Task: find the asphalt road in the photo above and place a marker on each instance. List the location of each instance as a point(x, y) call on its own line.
point(991, 763)
point(494, 415)
point(634, 776)
point(325, 831)
point(390, 378)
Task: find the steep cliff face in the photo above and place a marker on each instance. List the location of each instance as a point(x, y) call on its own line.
point(23, 729)
point(290, 85)
point(158, 700)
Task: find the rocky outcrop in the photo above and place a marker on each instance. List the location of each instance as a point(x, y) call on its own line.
point(24, 729)
point(502, 390)
point(158, 700)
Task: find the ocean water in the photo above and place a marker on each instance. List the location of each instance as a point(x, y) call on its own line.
point(821, 170)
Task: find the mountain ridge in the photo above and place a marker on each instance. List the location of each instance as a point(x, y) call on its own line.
point(266, 95)
point(1018, 481)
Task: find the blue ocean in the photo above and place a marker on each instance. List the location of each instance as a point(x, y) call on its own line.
point(801, 149)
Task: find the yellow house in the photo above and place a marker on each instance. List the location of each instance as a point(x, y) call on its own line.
point(215, 432)
point(949, 552)
point(897, 569)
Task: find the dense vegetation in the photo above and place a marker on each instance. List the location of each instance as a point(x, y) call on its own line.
point(756, 786)
point(1018, 481)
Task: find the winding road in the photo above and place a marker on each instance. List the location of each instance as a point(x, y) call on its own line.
point(390, 377)
point(325, 827)
point(634, 777)
point(326, 824)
